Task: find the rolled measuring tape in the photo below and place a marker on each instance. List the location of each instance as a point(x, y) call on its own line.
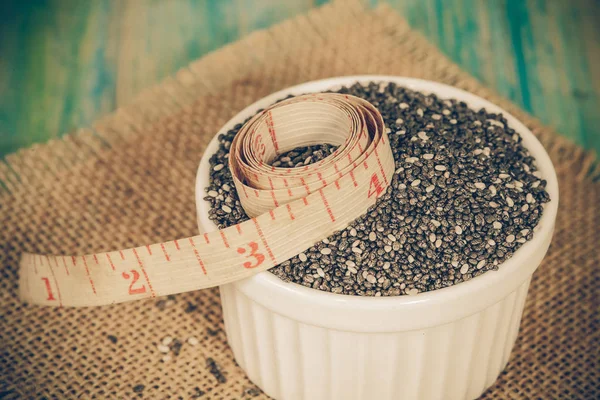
point(291, 209)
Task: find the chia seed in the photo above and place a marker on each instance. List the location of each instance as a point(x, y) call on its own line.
point(163, 348)
point(190, 308)
point(138, 388)
point(215, 370)
point(449, 210)
point(176, 347)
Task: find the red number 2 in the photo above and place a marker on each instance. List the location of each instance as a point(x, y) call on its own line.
point(136, 276)
point(49, 289)
point(253, 253)
point(375, 187)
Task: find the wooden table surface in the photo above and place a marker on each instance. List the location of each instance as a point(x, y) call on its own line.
point(65, 63)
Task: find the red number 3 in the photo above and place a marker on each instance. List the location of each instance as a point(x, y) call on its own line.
point(136, 276)
point(253, 253)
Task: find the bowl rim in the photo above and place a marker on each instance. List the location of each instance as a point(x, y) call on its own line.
point(540, 241)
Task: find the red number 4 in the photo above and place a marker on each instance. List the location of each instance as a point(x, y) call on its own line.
point(253, 253)
point(375, 186)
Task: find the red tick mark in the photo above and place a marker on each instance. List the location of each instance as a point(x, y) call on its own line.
point(353, 178)
point(289, 208)
point(87, 271)
point(198, 256)
point(139, 260)
point(264, 241)
point(65, 264)
point(380, 166)
point(320, 176)
point(162, 246)
point(327, 205)
point(110, 261)
point(337, 170)
point(224, 239)
point(271, 127)
point(305, 185)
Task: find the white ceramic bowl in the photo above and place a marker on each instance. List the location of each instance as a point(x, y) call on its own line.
point(300, 343)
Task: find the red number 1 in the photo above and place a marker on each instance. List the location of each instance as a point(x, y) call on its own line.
point(49, 289)
point(375, 187)
point(253, 253)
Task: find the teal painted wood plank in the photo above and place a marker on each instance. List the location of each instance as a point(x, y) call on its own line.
point(572, 24)
point(500, 67)
point(64, 64)
point(538, 53)
point(158, 38)
point(57, 70)
point(520, 37)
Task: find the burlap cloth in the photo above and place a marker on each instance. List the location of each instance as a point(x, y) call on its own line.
point(129, 180)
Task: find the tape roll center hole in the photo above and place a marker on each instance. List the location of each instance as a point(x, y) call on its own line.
point(291, 141)
point(301, 156)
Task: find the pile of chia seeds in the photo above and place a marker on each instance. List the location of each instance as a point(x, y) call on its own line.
point(302, 156)
point(465, 196)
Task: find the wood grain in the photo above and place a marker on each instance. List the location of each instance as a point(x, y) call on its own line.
point(65, 63)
